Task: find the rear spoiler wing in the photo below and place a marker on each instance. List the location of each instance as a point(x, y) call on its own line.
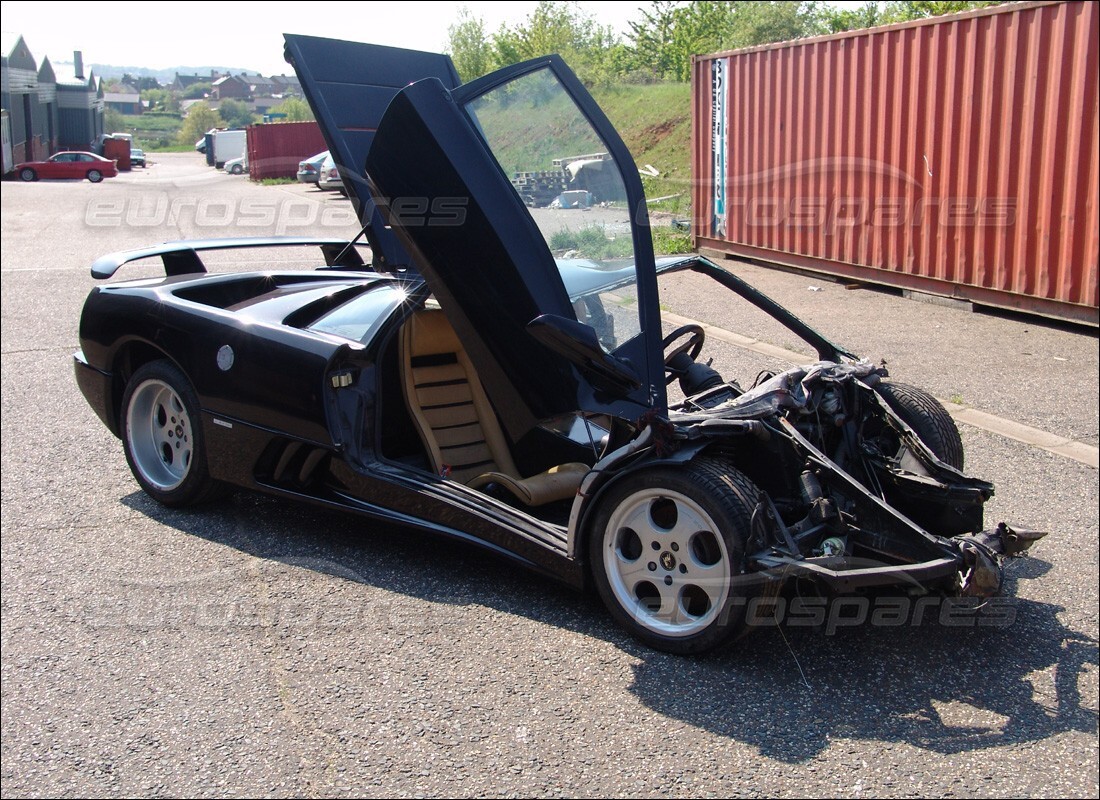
point(182, 258)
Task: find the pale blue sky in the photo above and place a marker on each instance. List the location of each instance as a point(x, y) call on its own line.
point(249, 35)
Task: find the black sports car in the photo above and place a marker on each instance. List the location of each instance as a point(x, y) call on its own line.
point(468, 382)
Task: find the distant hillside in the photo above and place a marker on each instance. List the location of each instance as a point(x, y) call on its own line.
point(162, 75)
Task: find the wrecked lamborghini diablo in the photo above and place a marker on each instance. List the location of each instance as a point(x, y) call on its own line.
point(468, 382)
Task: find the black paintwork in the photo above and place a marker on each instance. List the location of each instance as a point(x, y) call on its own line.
point(182, 258)
point(278, 372)
point(274, 397)
point(349, 85)
point(314, 416)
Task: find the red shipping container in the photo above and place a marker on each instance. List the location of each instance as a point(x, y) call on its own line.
point(956, 155)
point(119, 150)
point(275, 148)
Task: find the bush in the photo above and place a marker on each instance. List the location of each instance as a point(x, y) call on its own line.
point(591, 242)
point(669, 241)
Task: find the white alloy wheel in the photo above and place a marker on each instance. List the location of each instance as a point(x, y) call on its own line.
point(158, 429)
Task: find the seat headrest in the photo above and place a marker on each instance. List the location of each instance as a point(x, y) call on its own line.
point(430, 333)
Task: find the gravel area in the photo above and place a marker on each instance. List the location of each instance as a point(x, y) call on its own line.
point(262, 647)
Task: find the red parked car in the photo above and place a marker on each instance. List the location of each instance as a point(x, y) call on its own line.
point(73, 165)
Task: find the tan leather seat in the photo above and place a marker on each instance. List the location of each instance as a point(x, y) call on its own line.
point(456, 422)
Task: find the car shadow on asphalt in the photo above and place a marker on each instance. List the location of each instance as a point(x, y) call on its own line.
point(940, 680)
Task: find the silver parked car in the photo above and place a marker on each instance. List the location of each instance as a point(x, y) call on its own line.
point(236, 166)
point(329, 178)
point(310, 169)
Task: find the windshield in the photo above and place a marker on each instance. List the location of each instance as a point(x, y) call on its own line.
point(574, 190)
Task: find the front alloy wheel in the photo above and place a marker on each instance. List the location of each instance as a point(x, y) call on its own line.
point(667, 550)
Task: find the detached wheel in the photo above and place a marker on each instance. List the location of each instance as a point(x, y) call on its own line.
point(928, 418)
point(95, 176)
point(666, 549)
point(27, 175)
point(163, 438)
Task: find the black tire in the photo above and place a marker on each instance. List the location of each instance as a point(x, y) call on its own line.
point(163, 439)
point(666, 548)
point(95, 176)
point(237, 169)
point(928, 418)
point(27, 175)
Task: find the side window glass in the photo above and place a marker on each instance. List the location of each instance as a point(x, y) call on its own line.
point(563, 172)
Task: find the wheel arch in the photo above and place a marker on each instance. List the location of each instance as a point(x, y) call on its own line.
point(721, 500)
point(582, 533)
point(128, 358)
point(927, 417)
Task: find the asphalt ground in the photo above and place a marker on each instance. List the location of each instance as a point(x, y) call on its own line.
point(261, 647)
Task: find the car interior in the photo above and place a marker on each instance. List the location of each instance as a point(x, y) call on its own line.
point(457, 424)
point(434, 415)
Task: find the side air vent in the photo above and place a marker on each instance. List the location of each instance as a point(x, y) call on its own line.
point(296, 464)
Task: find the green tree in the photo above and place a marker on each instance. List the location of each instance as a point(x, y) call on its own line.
point(200, 118)
point(650, 39)
point(697, 28)
point(112, 121)
point(468, 46)
point(295, 108)
point(236, 113)
point(196, 91)
point(669, 34)
point(871, 13)
point(562, 28)
point(161, 100)
point(142, 83)
point(868, 15)
point(763, 23)
point(905, 10)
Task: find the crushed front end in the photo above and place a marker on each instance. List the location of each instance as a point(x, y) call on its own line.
point(849, 494)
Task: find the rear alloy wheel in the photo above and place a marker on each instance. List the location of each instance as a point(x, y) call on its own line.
point(928, 418)
point(163, 438)
point(27, 175)
point(666, 551)
point(95, 176)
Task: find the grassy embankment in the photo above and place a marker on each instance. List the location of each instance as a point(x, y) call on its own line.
point(153, 131)
point(654, 121)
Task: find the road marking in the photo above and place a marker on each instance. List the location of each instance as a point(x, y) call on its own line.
point(42, 269)
point(1059, 445)
point(1052, 443)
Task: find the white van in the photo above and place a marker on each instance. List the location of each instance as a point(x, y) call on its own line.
point(227, 146)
